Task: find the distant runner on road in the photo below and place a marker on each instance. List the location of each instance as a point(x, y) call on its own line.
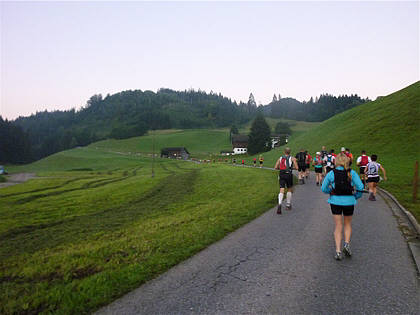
point(344, 187)
point(261, 159)
point(285, 164)
point(301, 162)
point(317, 163)
point(255, 162)
point(372, 169)
point(308, 163)
point(329, 162)
point(362, 161)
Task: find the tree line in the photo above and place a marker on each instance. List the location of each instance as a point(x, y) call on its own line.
point(119, 116)
point(135, 112)
point(320, 109)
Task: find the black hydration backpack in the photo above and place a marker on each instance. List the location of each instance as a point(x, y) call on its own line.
point(343, 186)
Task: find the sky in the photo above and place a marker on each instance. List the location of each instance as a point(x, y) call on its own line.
point(56, 55)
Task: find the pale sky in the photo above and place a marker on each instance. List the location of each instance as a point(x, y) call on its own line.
point(56, 55)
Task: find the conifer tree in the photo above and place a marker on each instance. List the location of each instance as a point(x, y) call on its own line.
point(259, 138)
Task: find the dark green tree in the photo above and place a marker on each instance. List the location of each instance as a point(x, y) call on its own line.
point(282, 128)
point(234, 130)
point(259, 138)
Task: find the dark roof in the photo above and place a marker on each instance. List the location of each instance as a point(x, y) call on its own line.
point(176, 149)
point(239, 138)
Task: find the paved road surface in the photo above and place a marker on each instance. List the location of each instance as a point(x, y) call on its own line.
point(284, 265)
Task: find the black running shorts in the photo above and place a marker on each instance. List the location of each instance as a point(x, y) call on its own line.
point(301, 167)
point(342, 210)
point(328, 169)
point(373, 179)
point(318, 170)
point(308, 166)
point(362, 170)
point(286, 180)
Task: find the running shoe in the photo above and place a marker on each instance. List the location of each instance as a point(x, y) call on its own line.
point(317, 183)
point(288, 206)
point(347, 250)
point(279, 209)
point(371, 197)
point(338, 256)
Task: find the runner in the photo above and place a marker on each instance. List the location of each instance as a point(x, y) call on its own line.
point(234, 161)
point(333, 154)
point(243, 162)
point(323, 152)
point(261, 161)
point(340, 184)
point(323, 155)
point(329, 162)
point(362, 161)
point(286, 164)
point(255, 162)
point(372, 169)
point(317, 163)
point(301, 161)
point(349, 155)
point(308, 163)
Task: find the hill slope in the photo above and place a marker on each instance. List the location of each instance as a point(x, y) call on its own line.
point(388, 127)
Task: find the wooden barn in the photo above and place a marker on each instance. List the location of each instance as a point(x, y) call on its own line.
point(175, 153)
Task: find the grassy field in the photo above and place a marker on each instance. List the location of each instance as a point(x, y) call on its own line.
point(388, 127)
point(201, 143)
point(96, 225)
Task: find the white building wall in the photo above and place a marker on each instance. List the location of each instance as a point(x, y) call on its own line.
point(240, 150)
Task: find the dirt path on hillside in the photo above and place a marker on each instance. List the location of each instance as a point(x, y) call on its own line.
point(17, 178)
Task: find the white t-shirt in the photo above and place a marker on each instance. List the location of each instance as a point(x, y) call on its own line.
point(359, 159)
point(372, 169)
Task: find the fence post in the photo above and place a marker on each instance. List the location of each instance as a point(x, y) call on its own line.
point(415, 181)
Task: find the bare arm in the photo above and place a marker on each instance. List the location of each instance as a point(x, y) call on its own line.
point(277, 166)
point(295, 163)
point(383, 171)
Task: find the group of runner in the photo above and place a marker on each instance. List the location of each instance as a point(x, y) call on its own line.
point(334, 173)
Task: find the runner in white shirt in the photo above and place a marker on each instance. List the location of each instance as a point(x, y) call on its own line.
point(362, 161)
point(372, 172)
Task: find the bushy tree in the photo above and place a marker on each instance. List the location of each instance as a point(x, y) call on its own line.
point(282, 128)
point(259, 138)
point(234, 130)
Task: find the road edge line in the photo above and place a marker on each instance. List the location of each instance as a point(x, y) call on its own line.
point(408, 214)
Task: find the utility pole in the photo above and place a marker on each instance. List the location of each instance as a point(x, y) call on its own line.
point(153, 153)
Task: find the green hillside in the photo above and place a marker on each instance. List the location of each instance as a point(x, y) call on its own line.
point(388, 127)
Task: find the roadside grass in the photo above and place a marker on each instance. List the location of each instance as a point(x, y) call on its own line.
point(72, 241)
point(2, 179)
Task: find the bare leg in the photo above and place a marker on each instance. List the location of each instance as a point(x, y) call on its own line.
point(374, 188)
point(347, 228)
point(338, 232)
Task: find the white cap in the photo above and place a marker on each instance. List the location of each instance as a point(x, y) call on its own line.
point(343, 149)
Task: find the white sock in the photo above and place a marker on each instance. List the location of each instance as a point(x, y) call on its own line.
point(280, 198)
point(289, 197)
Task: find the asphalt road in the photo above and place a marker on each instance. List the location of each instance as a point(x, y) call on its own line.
point(283, 264)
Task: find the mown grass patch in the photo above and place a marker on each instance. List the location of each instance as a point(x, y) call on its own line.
point(71, 242)
point(2, 179)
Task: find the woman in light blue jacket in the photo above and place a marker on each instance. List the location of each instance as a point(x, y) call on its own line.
point(344, 187)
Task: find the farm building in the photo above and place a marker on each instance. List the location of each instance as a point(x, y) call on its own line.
point(175, 153)
point(240, 144)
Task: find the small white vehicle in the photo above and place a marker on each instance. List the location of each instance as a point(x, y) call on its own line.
point(2, 170)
